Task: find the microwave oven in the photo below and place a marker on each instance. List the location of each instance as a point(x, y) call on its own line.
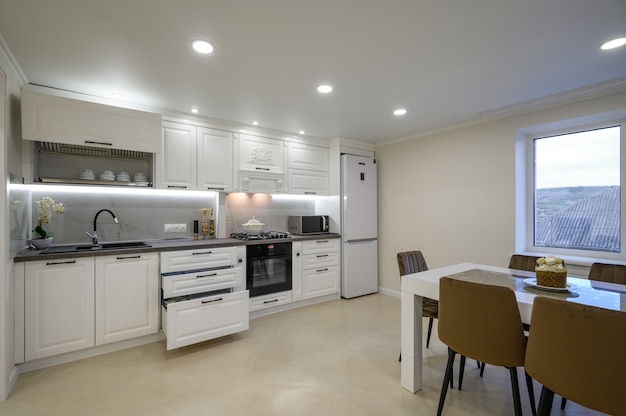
point(308, 224)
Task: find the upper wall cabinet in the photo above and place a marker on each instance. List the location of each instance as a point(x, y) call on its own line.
point(195, 158)
point(49, 118)
point(308, 169)
point(261, 154)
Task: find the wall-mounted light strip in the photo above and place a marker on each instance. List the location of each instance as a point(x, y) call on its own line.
point(110, 190)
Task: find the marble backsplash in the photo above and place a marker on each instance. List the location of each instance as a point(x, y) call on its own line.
point(142, 213)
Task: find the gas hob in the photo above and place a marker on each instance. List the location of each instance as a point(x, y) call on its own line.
point(268, 235)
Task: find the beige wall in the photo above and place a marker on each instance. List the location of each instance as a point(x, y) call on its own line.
point(452, 194)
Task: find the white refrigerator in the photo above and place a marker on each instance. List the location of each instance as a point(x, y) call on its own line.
point(359, 226)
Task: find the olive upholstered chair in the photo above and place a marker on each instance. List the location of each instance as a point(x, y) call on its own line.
point(413, 262)
point(498, 340)
point(612, 273)
point(577, 351)
point(521, 262)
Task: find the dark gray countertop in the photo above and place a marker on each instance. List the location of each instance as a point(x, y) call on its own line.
point(28, 254)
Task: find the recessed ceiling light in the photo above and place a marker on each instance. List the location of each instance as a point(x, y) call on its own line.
point(117, 95)
point(193, 110)
point(301, 131)
point(612, 44)
point(255, 123)
point(399, 112)
point(202, 46)
point(324, 89)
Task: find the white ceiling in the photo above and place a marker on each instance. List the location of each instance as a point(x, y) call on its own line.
point(446, 61)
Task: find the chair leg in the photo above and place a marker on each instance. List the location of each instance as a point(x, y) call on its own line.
point(517, 402)
point(563, 403)
point(482, 369)
point(531, 393)
point(461, 371)
point(400, 357)
point(447, 379)
point(430, 329)
point(545, 402)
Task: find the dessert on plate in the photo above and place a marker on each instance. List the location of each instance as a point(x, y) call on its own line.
point(551, 272)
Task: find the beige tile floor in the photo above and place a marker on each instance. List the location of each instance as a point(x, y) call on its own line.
point(335, 358)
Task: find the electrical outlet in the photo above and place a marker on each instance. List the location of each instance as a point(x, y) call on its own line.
point(175, 228)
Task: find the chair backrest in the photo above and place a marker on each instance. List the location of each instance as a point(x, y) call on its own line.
point(613, 273)
point(411, 262)
point(521, 262)
point(577, 351)
point(481, 322)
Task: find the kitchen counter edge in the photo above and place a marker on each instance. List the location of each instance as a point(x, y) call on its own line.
point(28, 254)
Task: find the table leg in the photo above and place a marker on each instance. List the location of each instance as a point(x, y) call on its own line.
point(411, 342)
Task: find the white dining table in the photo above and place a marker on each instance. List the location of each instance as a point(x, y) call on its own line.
point(426, 284)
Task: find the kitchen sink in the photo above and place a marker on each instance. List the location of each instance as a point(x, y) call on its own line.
point(88, 247)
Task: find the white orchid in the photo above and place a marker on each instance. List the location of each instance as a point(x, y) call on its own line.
point(45, 207)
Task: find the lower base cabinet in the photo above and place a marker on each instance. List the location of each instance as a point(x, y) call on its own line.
point(58, 307)
point(187, 322)
point(127, 296)
point(77, 303)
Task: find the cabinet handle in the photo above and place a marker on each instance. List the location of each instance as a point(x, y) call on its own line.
point(101, 143)
point(206, 275)
point(270, 301)
point(322, 255)
point(215, 188)
point(52, 263)
point(310, 193)
point(321, 270)
point(212, 300)
point(198, 253)
point(262, 168)
point(177, 186)
point(321, 241)
point(129, 257)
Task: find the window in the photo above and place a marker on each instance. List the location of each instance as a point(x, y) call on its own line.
point(572, 194)
point(577, 190)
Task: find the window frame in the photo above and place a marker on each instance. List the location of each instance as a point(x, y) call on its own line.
point(525, 186)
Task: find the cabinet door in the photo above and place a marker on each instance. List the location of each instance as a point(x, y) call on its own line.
point(261, 154)
point(308, 182)
point(320, 281)
point(59, 306)
point(127, 296)
point(202, 258)
point(49, 118)
point(176, 164)
point(215, 159)
point(305, 156)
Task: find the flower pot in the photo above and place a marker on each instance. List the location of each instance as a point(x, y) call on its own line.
point(41, 243)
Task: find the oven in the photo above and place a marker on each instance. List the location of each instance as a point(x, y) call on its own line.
point(268, 268)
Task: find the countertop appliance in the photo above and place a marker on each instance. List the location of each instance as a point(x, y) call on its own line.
point(359, 226)
point(308, 224)
point(265, 235)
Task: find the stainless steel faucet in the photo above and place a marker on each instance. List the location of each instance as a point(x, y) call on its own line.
point(94, 236)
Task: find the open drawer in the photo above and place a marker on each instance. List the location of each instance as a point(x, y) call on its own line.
point(198, 319)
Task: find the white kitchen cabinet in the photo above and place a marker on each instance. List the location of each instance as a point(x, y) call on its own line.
point(258, 303)
point(320, 267)
point(204, 294)
point(176, 165)
point(308, 182)
point(127, 296)
point(309, 157)
point(261, 154)
point(49, 118)
point(59, 306)
point(308, 172)
point(195, 158)
point(201, 258)
point(215, 159)
point(199, 319)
